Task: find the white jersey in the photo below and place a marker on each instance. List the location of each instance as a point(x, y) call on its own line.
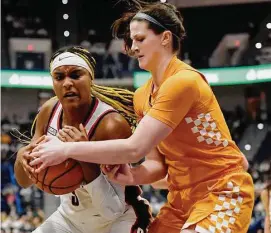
point(79, 206)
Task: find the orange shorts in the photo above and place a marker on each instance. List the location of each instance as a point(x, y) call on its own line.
point(222, 205)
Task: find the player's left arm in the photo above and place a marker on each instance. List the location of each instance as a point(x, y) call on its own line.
point(176, 97)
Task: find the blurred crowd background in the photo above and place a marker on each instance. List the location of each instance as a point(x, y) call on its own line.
point(231, 38)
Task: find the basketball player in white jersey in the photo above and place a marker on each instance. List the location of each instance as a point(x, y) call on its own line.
point(80, 113)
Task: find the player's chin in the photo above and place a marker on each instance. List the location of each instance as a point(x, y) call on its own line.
point(71, 102)
point(142, 65)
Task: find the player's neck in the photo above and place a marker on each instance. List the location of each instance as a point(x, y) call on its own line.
point(75, 116)
point(159, 70)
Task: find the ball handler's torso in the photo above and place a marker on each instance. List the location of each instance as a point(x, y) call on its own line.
point(77, 206)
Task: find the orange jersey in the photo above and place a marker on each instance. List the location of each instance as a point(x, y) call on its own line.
point(221, 205)
point(200, 146)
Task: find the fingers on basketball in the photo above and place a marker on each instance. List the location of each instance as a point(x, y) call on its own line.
point(60, 179)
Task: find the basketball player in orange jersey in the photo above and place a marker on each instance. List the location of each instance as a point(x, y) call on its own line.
point(81, 113)
point(209, 188)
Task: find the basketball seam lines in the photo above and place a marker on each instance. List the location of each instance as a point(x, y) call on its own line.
point(44, 177)
point(62, 175)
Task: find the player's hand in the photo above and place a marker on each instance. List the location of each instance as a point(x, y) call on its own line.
point(72, 134)
point(25, 161)
point(48, 153)
point(25, 157)
point(120, 174)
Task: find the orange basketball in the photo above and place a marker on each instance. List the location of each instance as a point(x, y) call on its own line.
point(60, 179)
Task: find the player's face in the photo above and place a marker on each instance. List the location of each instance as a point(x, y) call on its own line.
point(72, 85)
point(146, 45)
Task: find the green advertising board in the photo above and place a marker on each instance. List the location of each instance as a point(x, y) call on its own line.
point(43, 80)
point(215, 76)
point(223, 76)
point(26, 79)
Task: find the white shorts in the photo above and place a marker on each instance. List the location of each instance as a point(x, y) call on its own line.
point(57, 223)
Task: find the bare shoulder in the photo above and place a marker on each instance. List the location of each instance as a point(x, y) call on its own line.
point(47, 107)
point(43, 117)
point(113, 126)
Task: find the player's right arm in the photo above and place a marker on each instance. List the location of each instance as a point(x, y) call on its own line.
point(153, 169)
point(22, 169)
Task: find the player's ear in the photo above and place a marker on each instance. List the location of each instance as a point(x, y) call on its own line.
point(166, 38)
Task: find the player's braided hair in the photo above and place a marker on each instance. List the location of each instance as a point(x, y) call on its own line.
point(120, 99)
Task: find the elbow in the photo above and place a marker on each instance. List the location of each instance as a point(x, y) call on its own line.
point(161, 184)
point(23, 183)
point(157, 186)
point(160, 180)
point(22, 179)
point(245, 163)
point(26, 185)
point(246, 166)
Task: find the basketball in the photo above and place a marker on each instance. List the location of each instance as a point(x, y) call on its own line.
point(60, 179)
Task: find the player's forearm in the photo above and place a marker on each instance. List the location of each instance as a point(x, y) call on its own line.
point(119, 151)
point(148, 172)
point(20, 174)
